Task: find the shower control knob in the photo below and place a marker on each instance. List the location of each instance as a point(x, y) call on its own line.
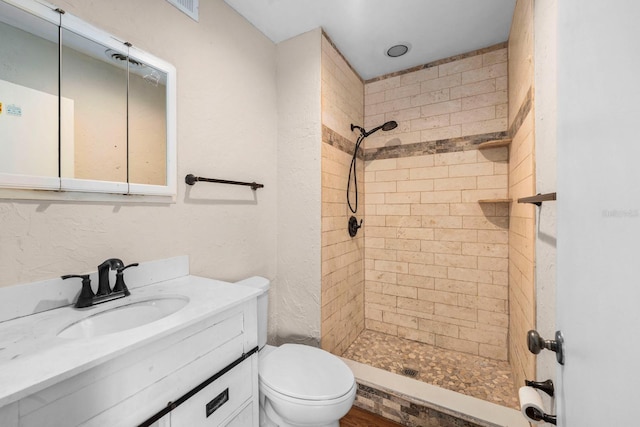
point(536, 344)
point(354, 226)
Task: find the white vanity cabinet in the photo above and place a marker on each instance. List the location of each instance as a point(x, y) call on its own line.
point(197, 367)
point(225, 402)
point(130, 389)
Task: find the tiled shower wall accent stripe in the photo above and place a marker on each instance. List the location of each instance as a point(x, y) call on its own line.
point(428, 147)
point(523, 111)
point(341, 143)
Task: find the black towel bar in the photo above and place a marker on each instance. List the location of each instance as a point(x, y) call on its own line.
point(192, 179)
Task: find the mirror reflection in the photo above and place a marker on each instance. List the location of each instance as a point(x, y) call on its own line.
point(95, 79)
point(147, 124)
point(28, 94)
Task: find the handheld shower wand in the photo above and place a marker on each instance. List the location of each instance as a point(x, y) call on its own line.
point(385, 127)
point(353, 223)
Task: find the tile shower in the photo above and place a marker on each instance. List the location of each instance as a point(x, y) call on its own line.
point(427, 288)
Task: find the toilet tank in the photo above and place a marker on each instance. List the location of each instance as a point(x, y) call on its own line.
point(263, 305)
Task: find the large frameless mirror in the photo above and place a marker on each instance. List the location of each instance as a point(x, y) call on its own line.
point(81, 110)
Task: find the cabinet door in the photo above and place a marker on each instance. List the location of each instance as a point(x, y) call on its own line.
point(244, 418)
point(217, 402)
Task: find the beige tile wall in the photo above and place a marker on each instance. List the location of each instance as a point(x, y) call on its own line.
point(342, 297)
point(342, 93)
point(521, 184)
point(451, 100)
point(436, 266)
point(436, 259)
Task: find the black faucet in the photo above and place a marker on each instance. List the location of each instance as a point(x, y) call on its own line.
point(87, 298)
point(104, 288)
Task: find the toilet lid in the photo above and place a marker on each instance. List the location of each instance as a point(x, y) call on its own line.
point(304, 372)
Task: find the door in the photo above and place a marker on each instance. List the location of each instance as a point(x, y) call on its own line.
point(598, 286)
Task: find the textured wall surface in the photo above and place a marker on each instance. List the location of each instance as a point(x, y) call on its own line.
point(299, 189)
point(227, 128)
point(342, 255)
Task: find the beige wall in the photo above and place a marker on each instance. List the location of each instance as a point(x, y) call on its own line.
point(342, 255)
point(147, 132)
point(297, 297)
point(435, 258)
point(227, 128)
point(521, 184)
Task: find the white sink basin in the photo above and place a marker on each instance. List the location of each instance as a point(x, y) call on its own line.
point(124, 317)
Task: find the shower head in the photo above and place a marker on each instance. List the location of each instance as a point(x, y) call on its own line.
point(389, 125)
point(385, 127)
point(352, 169)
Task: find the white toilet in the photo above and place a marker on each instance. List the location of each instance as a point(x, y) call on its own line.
point(299, 385)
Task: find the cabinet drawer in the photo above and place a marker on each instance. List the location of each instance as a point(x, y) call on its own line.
point(218, 401)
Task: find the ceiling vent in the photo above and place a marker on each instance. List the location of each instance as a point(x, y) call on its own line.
point(189, 7)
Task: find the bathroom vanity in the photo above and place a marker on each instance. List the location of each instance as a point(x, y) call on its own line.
point(185, 353)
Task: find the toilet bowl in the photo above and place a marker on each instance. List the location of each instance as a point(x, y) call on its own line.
point(303, 386)
point(299, 385)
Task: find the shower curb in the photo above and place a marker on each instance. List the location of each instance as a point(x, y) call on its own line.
point(414, 403)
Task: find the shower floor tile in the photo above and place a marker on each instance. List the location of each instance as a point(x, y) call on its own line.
point(475, 376)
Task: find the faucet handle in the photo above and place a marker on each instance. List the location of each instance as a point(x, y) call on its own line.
point(120, 269)
point(86, 294)
point(120, 285)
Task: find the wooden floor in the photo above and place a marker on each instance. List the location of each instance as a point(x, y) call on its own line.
point(360, 418)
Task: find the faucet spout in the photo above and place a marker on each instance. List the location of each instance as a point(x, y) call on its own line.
point(104, 288)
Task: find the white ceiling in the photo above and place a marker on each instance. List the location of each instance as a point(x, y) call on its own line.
point(364, 29)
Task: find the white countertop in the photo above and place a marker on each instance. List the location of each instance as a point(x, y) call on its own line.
point(33, 357)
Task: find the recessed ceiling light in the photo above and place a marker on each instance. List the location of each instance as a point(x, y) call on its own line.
point(398, 50)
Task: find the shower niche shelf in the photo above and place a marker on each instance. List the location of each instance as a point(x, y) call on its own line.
point(494, 143)
point(538, 198)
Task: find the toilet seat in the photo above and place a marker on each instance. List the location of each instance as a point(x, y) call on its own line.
point(284, 411)
point(305, 373)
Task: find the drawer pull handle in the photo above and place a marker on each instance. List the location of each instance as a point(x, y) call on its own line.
point(217, 402)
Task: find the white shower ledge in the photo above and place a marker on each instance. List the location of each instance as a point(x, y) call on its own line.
point(33, 357)
point(450, 402)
